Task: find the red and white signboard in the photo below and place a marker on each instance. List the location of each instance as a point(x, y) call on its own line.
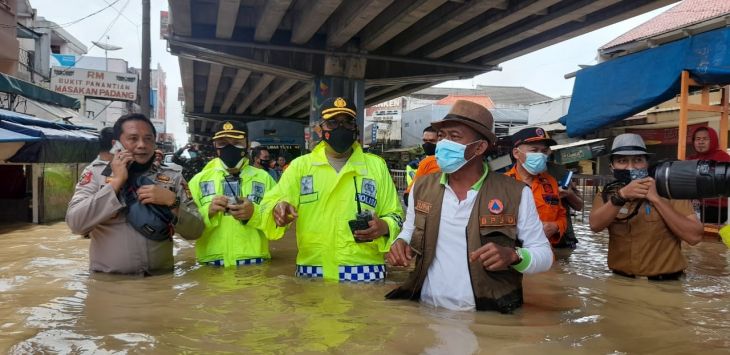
point(94, 83)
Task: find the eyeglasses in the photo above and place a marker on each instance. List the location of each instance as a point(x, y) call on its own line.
point(335, 123)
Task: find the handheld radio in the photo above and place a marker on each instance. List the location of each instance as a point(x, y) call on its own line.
point(361, 218)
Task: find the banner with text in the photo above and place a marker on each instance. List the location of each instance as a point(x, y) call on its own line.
point(94, 83)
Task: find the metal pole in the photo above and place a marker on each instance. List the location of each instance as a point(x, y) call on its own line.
point(144, 101)
point(682, 128)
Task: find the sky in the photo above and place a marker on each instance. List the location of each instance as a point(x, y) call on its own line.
point(541, 71)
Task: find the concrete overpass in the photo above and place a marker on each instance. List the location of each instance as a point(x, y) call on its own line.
point(271, 59)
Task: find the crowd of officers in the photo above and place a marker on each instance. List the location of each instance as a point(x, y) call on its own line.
point(471, 232)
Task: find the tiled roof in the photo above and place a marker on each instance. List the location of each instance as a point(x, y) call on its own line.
point(499, 95)
point(482, 100)
point(684, 14)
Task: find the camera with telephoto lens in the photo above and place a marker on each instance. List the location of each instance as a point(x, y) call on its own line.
point(692, 179)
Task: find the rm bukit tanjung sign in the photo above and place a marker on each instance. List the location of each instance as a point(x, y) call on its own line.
point(94, 83)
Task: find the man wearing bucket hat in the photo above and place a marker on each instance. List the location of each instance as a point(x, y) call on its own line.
point(227, 191)
point(483, 269)
point(645, 230)
point(530, 149)
point(344, 200)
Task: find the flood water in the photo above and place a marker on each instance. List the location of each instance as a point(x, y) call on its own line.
point(50, 304)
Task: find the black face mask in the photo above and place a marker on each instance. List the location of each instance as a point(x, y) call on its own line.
point(265, 163)
point(429, 148)
point(137, 168)
point(230, 155)
point(340, 139)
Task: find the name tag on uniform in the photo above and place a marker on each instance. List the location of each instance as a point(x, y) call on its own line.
point(423, 207)
point(497, 220)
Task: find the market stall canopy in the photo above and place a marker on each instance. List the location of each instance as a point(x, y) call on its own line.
point(619, 88)
point(11, 142)
point(44, 141)
point(16, 86)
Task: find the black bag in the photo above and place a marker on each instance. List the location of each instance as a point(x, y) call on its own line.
point(155, 222)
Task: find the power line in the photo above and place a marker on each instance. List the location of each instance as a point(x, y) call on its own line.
point(81, 19)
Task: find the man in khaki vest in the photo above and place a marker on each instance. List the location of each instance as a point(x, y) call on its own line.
point(473, 233)
point(645, 230)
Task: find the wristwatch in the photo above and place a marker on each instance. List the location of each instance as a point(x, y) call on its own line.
point(617, 201)
point(519, 256)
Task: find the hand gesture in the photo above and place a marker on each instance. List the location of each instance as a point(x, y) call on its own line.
point(242, 211)
point(651, 195)
point(377, 228)
point(155, 195)
point(119, 165)
point(217, 204)
point(284, 213)
point(550, 228)
point(400, 253)
point(636, 189)
point(494, 257)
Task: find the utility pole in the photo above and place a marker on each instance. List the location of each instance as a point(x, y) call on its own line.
point(144, 100)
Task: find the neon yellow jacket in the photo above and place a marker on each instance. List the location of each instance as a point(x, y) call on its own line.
point(325, 202)
point(410, 173)
point(224, 237)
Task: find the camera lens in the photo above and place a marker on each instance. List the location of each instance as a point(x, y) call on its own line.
point(693, 179)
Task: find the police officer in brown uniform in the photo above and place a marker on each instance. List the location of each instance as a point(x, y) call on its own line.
point(100, 205)
point(645, 230)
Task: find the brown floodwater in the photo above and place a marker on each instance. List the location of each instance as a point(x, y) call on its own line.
point(50, 304)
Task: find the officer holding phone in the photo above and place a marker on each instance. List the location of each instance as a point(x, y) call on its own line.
point(324, 191)
point(227, 192)
point(131, 207)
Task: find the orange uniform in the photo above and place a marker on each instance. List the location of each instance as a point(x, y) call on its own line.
point(427, 166)
point(547, 200)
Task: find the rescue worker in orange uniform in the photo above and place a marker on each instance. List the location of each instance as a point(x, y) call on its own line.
point(428, 164)
point(530, 149)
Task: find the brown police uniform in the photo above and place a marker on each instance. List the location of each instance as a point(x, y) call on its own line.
point(644, 245)
point(95, 209)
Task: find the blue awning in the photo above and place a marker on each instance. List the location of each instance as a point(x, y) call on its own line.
point(46, 141)
point(622, 87)
point(7, 136)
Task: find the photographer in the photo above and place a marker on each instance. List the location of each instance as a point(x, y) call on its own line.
point(645, 230)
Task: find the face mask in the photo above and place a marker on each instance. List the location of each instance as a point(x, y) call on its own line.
point(535, 163)
point(450, 155)
point(230, 155)
point(429, 148)
point(628, 175)
point(193, 155)
point(340, 139)
point(265, 163)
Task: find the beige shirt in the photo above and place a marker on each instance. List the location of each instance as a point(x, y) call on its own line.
point(644, 245)
point(95, 209)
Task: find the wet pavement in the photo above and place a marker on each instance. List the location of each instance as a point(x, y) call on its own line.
point(50, 304)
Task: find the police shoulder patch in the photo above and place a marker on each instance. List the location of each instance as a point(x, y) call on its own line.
point(207, 188)
point(86, 178)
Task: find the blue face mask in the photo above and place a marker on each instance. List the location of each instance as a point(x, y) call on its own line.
point(535, 163)
point(450, 155)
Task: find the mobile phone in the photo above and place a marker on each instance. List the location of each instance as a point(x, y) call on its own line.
point(565, 181)
point(117, 147)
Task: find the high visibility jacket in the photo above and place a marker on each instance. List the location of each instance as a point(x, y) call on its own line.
point(226, 238)
point(410, 174)
point(325, 201)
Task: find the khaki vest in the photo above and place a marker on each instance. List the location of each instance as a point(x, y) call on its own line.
point(493, 290)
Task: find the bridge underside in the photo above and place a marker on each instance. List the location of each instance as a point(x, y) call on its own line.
point(253, 60)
